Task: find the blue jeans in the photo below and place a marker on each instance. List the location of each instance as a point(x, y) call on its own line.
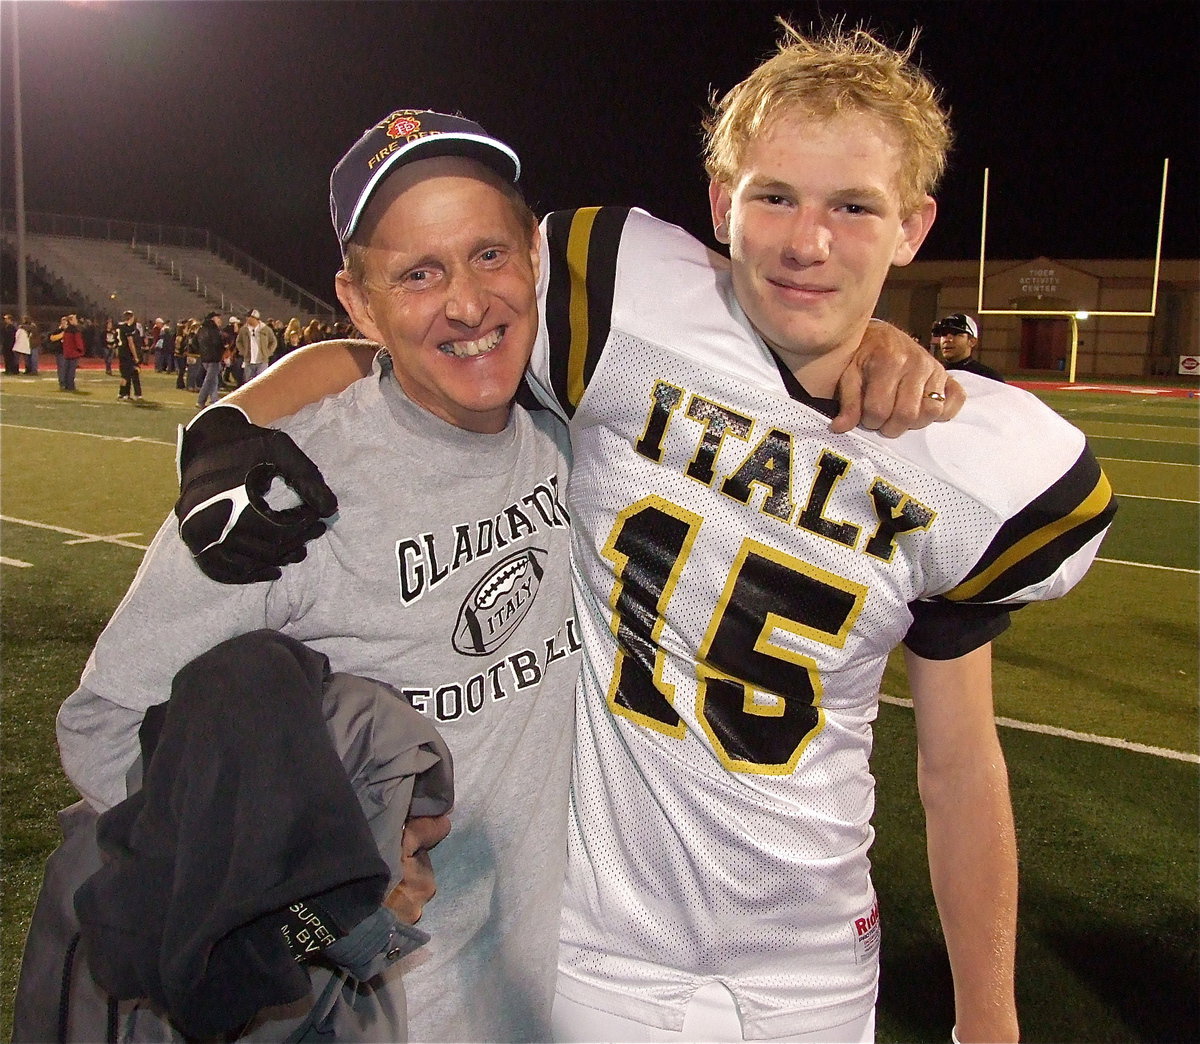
point(252, 370)
point(211, 384)
point(66, 372)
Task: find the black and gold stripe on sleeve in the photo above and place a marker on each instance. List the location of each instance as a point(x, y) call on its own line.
point(1031, 545)
point(583, 247)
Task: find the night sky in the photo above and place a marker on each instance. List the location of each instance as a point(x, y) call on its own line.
point(229, 115)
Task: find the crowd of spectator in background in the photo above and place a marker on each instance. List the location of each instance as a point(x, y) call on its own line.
point(247, 346)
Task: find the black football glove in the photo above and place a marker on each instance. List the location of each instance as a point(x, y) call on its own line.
point(226, 466)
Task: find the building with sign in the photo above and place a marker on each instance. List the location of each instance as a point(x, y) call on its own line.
point(1108, 346)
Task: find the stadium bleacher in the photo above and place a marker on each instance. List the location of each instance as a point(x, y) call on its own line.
point(104, 267)
point(174, 282)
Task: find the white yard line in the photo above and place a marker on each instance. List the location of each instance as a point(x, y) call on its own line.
point(84, 538)
point(1148, 565)
point(1169, 500)
point(1071, 734)
point(1135, 438)
point(92, 435)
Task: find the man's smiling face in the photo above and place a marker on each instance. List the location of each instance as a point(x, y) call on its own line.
point(448, 284)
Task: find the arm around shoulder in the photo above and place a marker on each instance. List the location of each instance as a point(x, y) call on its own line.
point(302, 377)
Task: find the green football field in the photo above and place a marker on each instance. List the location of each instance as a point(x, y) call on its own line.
point(1096, 695)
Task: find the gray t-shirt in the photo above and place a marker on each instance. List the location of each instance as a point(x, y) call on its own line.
point(445, 574)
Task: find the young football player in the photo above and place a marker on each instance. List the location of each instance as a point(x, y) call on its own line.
point(742, 573)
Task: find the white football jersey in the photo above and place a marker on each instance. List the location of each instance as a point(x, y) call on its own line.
point(741, 574)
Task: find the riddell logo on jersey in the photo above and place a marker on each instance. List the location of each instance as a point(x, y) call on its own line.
point(866, 935)
point(862, 925)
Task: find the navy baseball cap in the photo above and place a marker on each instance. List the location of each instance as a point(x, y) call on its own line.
point(403, 136)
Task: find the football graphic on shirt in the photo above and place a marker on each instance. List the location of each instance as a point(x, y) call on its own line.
point(498, 603)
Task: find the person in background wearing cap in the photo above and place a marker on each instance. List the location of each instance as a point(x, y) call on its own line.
point(232, 372)
point(255, 344)
point(447, 575)
point(129, 358)
point(956, 337)
point(210, 346)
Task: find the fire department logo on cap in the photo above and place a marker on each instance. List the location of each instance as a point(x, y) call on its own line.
point(404, 136)
point(401, 125)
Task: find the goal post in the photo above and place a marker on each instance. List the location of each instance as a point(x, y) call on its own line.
point(1073, 315)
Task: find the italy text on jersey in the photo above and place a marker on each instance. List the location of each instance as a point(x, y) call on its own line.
point(808, 555)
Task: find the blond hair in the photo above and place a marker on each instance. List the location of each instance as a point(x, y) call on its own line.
point(833, 74)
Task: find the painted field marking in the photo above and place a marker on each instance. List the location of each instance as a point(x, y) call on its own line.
point(1170, 393)
point(1138, 438)
point(1122, 430)
point(101, 539)
point(1071, 734)
point(1148, 565)
point(15, 562)
point(1169, 500)
point(1173, 391)
point(92, 435)
point(85, 538)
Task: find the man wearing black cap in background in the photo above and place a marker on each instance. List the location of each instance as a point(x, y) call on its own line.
point(955, 337)
point(211, 347)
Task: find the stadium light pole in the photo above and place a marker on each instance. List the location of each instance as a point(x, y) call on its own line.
point(19, 170)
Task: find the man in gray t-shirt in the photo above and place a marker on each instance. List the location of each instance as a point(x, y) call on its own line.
point(444, 573)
